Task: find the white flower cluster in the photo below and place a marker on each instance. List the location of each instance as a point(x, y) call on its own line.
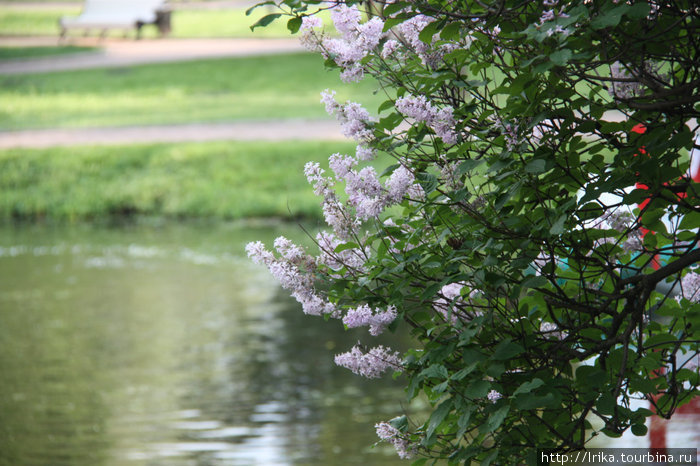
point(690, 286)
point(440, 120)
point(371, 364)
point(389, 433)
point(494, 395)
point(355, 123)
point(550, 329)
point(430, 54)
point(451, 303)
point(355, 42)
point(293, 270)
point(376, 320)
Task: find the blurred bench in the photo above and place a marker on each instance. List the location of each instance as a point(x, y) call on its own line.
point(104, 15)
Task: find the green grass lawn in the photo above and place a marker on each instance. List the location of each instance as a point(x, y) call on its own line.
point(226, 180)
point(185, 23)
point(249, 88)
point(9, 53)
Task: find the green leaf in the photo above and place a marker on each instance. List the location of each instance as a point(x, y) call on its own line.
point(496, 419)
point(606, 403)
point(690, 221)
point(265, 20)
point(639, 429)
point(533, 281)
point(527, 387)
point(468, 165)
point(426, 35)
point(435, 371)
point(392, 8)
point(428, 181)
point(609, 18)
point(527, 401)
point(561, 57)
point(506, 350)
point(399, 423)
point(558, 226)
point(437, 417)
point(535, 166)
point(451, 31)
point(294, 24)
point(345, 246)
point(477, 389)
point(252, 8)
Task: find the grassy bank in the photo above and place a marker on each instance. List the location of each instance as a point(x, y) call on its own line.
point(247, 88)
point(224, 180)
point(10, 53)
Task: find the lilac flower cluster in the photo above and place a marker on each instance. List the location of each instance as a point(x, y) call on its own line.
point(690, 286)
point(448, 173)
point(355, 123)
point(389, 433)
point(451, 302)
point(440, 120)
point(430, 54)
point(494, 396)
point(549, 17)
point(626, 86)
point(623, 222)
point(365, 192)
point(550, 329)
point(371, 364)
point(293, 271)
point(356, 41)
point(363, 316)
point(352, 260)
point(334, 211)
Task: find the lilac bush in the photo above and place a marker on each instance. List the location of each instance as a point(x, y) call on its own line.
point(537, 228)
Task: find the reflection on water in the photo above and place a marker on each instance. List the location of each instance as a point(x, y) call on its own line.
point(163, 345)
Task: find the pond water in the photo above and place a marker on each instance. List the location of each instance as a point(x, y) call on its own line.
point(163, 345)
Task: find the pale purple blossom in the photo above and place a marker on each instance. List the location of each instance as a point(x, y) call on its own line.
point(388, 433)
point(389, 48)
point(365, 153)
point(291, 276)
point(451, 303)
point(258, 253)
point(310, 22)
point(372, 364)
point(354, 119)
point(334, 212)
point(356, 41)
point(551, 329)
point(341, 164)
point(627, 87)
point(352, 74)
point(690, 286)
point(369, 34)
point(346, 19)
point(430, 54)
point(364, 316)
point(440, 120)
point(398, 184)
point(494, 396)
point(448, 173)
point(290, 251)
point(352, 258)
point(328, 100)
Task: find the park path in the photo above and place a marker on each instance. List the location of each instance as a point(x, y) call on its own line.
point(276, 130)
point(129, 52)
